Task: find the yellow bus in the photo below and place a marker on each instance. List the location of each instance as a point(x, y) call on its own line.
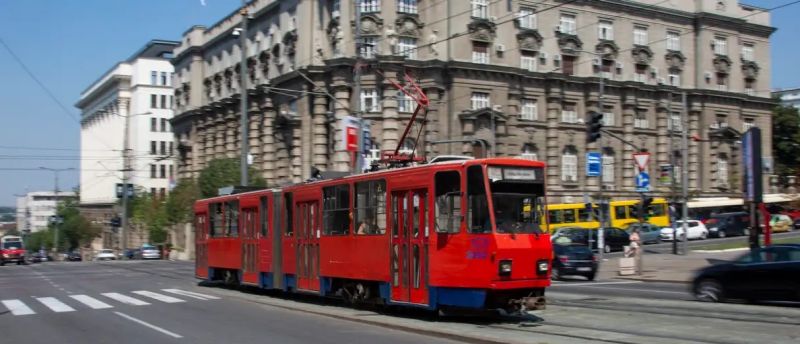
point(569, 215)
point(624, 213)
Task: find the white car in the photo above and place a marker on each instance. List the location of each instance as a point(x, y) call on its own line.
point(697, 230)
point(105, 255)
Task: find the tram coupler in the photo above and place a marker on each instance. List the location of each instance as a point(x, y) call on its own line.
point(530, 303)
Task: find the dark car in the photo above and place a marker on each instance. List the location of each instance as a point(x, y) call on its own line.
point(766, 273)
point(573, 260)
point(131, 253)
point(74, 257)
point(37, 257)
point(614, 239)
point(648, 232)
point(728, 224)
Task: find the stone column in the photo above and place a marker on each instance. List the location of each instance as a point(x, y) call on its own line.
point(432, 126)
point(254, 135)
point(231, 133)
point(220, 131)
point(553, 151)
point(319, 131)
point(184, 165)
point(209, 137)
point(695, 169)
point(392, 128)
point(341, 159)
point(662, 142)
point(268, 140)
point(297, 150)
point(628, 115)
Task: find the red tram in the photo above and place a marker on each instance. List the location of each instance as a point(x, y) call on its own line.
point(457, 234)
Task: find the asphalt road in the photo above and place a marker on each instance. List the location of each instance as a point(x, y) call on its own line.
point(155, 302)
point(636, 289)
point(666, 247)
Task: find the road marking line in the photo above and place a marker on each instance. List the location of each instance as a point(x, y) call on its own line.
point(91, 302)
point(141, 322)
point(649, 290)
point(159, 297)
point(17, 307)
point(567, 284)
point(191, 294)
point(55, 305)
point(125, 299)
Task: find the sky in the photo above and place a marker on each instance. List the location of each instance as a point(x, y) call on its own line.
point(67, 45)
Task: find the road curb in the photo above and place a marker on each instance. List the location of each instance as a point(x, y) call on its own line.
point(654, 280)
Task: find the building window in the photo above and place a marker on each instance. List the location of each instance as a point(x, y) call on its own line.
point(675, 123)
point(164, 79)
point(529, 152)
point(480, 8)
point(747, 124)
point(722, 81)
point(606, 69)
point(608, 117)
point(674, 78)
point(163, 124)
point(568, 114)
point(163, 169)
point(170, 148)
point(153, 171)
point(530, 110)
point(407, 6)
point(527, 18)
point(640, 121)
point(720, 45)
point(404, 102)
point(171, 102)
point(153, 124)
point(336, 209)
point(162, 193)
point(153, 101)
point(480, 52)
point(567, 24)
point(153, 78)
point(639, 35)
point(569, 166)
point(527, 60)
point(369, 100)
point(673, 41)
point(163, 145)
point(153, 146)
point(640, 73)
point(747, 52)
point(163, 101)
point(568, 65)
point(171, 172)
point(370, 6)
point(480, 100)
point(370, 207)
point(722, 171)
point(407, 47)
point(608, 167)
point(368, 47)
point(153, 192)
point(605, 30)
point(749, 87)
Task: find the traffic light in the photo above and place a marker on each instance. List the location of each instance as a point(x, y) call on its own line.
point(116, 221)
point(644, 207)
point(593, 125)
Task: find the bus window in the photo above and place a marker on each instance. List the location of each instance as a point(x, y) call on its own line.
point(448, 202)
point(658, 209)
point(554, 217)
point(478, 211)
point(569, 215)
point(584, 215)
point(619, 212)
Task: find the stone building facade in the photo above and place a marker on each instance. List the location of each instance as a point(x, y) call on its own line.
point(517, 78)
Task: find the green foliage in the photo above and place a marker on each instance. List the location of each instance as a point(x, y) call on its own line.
point(224, 172)
point(150, 213)
point(180, 201)
point(42, 239)
point(786, 140)
point(75, 231)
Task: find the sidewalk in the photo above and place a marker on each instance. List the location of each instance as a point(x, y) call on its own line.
point(662, 267)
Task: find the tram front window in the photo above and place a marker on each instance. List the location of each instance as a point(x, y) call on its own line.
point(517, 196)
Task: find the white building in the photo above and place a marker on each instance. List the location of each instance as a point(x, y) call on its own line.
point(140, 91)
point(789, 96)
point(35, 209)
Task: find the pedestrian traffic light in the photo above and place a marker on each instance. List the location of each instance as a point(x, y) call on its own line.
point(593, 125)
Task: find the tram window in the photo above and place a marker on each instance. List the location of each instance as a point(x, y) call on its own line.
point(216, 220)
point(287, 211)
point(370, 207)
point(336, 209)
point(232, 218)
point(619, 213)
point(448, 202)
point(478, 211)
point(264, 218)
point(658, 209)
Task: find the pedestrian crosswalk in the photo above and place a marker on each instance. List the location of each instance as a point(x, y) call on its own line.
point(73, 303)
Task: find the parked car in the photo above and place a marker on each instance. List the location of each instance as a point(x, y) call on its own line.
point(105, 254)
point(573, 259)
point(766, 273)
point(131, 253)
point(149, 252)
point(74, 257)
point(728, 224)
point(781, 223)
point(648, 232)
point(38, 257)
point(614, 239)
point(697, 230)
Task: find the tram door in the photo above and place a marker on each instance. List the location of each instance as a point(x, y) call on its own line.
point(201, 245)
point(250, 246)
point(409, 246)
point(308, 228)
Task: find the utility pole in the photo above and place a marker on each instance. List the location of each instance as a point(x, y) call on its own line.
point(357, 90)
point(126, 168)
point(245, 137)
point(600, 196)
point(684, 172)
point(672, 176)
point(57, 221)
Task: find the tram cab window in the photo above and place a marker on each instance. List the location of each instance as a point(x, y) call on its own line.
point(517, 199)
point(370, 207)
point(478, 211)
point(448, 202)
point(232, 219)
point(336, 209)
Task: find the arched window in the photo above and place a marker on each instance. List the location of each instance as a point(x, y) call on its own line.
point(529, 152)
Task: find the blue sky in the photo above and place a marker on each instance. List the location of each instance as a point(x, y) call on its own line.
point(69, 44)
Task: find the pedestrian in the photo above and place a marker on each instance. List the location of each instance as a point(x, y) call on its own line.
point(635, 242)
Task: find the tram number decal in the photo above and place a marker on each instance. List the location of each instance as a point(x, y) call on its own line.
point(478, 248)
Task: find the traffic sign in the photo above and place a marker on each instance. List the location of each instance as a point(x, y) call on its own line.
point(642, 182)
point(641, 160)
point(593, 164)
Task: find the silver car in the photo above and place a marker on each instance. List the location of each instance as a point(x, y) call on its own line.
point(150, 252)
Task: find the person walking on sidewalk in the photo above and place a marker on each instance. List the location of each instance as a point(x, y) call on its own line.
point(636, 242)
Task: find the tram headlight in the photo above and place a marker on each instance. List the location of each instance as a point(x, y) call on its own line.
point(542, 266)
point(505, 268)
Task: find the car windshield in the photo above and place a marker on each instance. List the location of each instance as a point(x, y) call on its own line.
point(12, 245)
point(575, 249)
point(148, 247)
point(106, 251)
point(517, 200)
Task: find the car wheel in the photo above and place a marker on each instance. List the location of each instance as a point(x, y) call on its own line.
point(607, 248)
point(658, 240)
point(556, 274)
point(590, 276)
point(721, 234)
point(709, 290)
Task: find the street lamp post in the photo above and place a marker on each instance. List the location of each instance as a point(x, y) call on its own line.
point(55, 199)
point(126, 168)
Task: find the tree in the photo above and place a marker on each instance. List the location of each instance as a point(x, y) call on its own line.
point(786, 140)
point(149, 212)
point(75, 231)
point(181, 200)
point(224, 172)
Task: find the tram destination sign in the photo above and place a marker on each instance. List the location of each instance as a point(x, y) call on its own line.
point(516, 173)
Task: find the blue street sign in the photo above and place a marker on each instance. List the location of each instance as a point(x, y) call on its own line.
point(642, 182)
point(593, 164)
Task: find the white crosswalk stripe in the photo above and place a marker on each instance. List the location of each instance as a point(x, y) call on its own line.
point(191, 294)
point(17, 307)
point(91, 302)
point(157, 296)
point(55, 305)
point(125, 299)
